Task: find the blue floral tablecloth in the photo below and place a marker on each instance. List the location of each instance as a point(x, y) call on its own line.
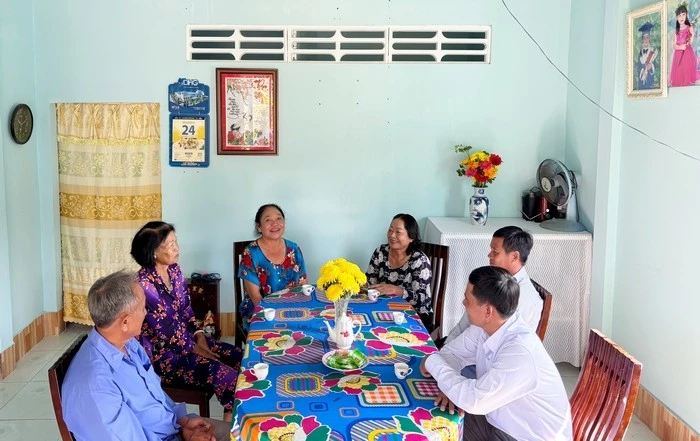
point(302, 399)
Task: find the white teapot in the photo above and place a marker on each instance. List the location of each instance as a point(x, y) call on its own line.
point(342, 335)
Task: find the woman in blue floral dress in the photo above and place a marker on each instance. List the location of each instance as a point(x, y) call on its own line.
point(399, 268)
point(271, 262)
point(180, 352)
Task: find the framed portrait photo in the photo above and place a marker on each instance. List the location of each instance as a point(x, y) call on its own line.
point(683, 43)
point(647, 76)
point(246, 111)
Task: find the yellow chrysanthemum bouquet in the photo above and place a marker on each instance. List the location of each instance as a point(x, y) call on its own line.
point(340, 279)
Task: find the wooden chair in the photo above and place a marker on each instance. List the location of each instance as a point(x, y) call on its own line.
point(57, 373)
point(546, 308)
point(191, 395)
point(439, 256)
point(606, 391)
point(238, 248)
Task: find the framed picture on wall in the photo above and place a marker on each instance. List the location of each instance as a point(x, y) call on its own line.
point(246, 111)
point(683, 42)
point(647, 76)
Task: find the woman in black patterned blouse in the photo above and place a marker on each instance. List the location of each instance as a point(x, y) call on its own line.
point(401, 269)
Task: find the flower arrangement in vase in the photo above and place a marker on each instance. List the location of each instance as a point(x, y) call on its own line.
point(481, 167)
point(341, 280)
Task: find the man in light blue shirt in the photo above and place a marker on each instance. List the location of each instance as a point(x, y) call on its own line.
point(110, 391)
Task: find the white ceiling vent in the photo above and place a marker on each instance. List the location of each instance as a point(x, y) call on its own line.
point(364, 44)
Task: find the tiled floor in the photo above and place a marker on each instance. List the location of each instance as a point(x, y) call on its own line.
point(26, 412)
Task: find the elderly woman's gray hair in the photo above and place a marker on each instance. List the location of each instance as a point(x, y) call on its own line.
point(110, 296)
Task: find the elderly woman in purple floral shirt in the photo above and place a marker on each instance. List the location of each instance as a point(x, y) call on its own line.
point(181, 354)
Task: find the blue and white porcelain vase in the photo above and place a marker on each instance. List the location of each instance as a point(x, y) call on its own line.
point(479, 206)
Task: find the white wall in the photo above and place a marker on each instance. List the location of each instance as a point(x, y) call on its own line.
point(358, 143)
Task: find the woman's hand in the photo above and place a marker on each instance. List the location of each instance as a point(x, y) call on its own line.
point(201, 347)
point(387, 288)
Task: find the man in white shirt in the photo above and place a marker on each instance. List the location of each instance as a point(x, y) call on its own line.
point(510, 247)
point(518, 393)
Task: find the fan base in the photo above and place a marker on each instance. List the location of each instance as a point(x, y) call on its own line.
point(562, 225)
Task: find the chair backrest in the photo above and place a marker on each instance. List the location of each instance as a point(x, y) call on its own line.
point(439, 256)
point(546, 308)
point(57, 373)
point(606, 391)
point(238, 248)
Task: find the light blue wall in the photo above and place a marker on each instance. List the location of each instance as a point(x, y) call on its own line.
point(20, 264)
point(656, 294)
point(5, 298)
point(586, 45)
point(358, 143)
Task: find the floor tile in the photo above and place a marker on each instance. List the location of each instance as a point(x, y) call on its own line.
point(32, 402)
point(75, 328)
point(56, 342)
point(216, 410)
point(229, 339)
point(637, 431)
point(569, 384)
point(29, 366)
point(9, 390)
point(566, 369)
point(43, 374)
point(24, 430)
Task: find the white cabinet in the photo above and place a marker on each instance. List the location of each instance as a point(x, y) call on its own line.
point(560, 262)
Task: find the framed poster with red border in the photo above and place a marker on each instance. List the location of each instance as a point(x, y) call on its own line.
point(246, 111)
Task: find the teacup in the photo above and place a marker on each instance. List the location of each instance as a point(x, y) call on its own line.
point(269, 314)
point(260, 370)
point(399, 317)
point(373, 294)
point(401, 370)
point(307, 289)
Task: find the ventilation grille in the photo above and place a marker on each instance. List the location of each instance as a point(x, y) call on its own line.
point(367, 44)
point(236, 43)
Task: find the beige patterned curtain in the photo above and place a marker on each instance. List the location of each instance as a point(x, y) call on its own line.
point(109, 186)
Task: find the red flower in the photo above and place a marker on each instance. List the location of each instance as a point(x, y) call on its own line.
point(495, 159)
point(262, 277)
point(288, 262)
point(247, 261)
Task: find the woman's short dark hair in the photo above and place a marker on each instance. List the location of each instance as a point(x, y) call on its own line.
point(258, 215)
point(495, 286)
point(516, 239)
point(409, 222)
point(147, 240)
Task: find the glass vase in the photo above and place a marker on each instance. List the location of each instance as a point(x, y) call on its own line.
point(479, 206)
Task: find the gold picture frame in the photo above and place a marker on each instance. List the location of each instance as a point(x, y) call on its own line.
point(647, 72)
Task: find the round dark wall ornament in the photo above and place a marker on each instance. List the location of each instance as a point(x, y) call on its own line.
point(21, 123)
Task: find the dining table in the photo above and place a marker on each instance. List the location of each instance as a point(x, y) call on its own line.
point(303, 398)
